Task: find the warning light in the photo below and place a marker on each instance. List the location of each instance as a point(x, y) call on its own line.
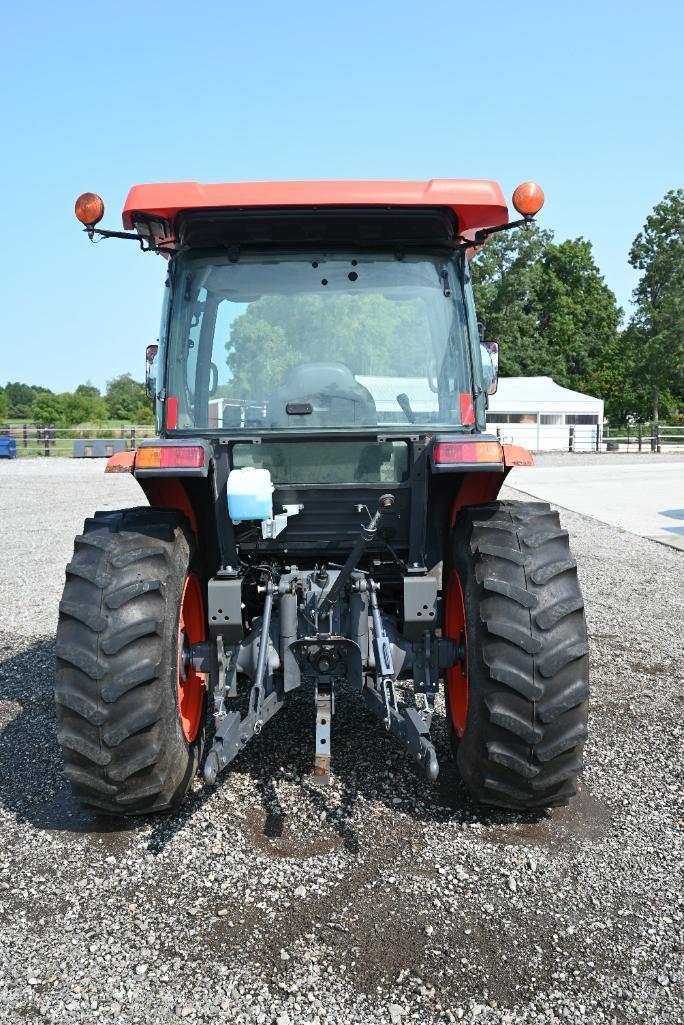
point(89, 209)
point(528, 199)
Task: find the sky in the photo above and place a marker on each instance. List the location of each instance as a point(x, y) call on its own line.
point(585, 98)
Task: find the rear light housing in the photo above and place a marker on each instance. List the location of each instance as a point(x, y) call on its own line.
point(454, 453)
point(170, 457)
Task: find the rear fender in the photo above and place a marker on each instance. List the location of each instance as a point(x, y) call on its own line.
point(478, 488)
point(160, 492)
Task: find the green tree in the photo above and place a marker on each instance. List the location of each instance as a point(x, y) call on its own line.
point(20, 398)
point(4, 405)
point(658, 321)
point(80, 407)
point(48, 409)
point(123, 397)
point(578, 314)
point(547, 304)
point(88, 390)
point(143, 413)
point(506, 281)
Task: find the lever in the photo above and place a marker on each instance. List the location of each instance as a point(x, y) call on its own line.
point(405, 404)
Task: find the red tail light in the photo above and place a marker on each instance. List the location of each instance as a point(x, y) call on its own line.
point(167, 457)
point(448, 453)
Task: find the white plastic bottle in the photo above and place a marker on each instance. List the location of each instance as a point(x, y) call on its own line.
point(250, 494)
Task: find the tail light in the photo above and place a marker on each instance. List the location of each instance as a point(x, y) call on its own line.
point(168, 457)
point(450, 453)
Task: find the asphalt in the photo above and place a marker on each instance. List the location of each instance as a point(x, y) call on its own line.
point(382, 899)
point(642, 494)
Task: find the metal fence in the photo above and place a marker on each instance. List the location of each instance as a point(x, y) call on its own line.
point(592, 437)
point(539, 437)
point(644, 438)
point(47, 440)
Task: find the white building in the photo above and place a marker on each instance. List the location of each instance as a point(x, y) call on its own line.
point(540, 415)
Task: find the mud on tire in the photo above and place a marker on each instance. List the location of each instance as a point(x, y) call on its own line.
point(116, 688)
point(527, 656)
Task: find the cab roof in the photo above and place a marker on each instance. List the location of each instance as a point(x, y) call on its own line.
point(477, 203)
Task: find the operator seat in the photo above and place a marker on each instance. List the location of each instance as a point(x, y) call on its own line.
point(337, 398)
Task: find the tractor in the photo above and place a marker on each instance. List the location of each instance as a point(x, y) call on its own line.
point(321, 506)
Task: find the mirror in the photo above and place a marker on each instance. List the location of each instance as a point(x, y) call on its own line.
point(489, 351)
point(151, 371)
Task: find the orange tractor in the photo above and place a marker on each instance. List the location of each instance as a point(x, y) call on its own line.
point(322, 505)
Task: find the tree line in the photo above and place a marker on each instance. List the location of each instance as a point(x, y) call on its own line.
point(124, 399)
point(548, 305)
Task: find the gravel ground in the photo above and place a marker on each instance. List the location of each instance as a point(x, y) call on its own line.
point(382, 899)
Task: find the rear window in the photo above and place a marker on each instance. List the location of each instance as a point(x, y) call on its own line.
point(327, 462)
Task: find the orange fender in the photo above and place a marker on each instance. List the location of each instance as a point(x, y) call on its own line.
point(516, 455)
point(121, 462)
point(160, 492)
point(478, 488)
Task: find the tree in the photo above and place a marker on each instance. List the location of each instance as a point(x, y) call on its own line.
point(548, 305)
point(4, 405)
point(48, 409)
point(579, 317)
point(20, 398)
point(143, 413)
point(124, 396)
point(83, 407)
point(506, 282)
point(658, 321)
point(88, 390)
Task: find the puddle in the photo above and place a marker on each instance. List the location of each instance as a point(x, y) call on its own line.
point(584, 818)
point(63, 814)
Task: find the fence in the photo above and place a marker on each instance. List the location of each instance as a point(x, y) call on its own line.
point(539, 437)
point(644, 438)
point(592, 437)
point(46, 440)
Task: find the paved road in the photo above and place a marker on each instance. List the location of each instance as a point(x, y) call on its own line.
point(641, 494)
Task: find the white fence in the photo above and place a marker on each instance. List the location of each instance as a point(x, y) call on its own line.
point(591, 437)
point(550, 437)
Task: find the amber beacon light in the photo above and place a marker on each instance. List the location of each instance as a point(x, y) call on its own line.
point(528, 199)
point(89, 209)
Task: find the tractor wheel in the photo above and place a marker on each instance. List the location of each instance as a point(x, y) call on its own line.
point(517, 698)
point(130, 709)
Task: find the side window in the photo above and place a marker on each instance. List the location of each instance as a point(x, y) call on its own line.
point(474, 333)
point(193, 342)
point(160, 359)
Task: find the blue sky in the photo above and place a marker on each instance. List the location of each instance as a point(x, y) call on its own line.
point(585, 98)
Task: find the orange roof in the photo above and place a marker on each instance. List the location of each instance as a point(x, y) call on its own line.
point(477, 203)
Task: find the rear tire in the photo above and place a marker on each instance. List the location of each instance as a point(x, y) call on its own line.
point(517, 704)
point(127, 748)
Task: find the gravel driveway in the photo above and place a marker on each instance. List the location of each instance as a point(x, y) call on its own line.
point(382, 899)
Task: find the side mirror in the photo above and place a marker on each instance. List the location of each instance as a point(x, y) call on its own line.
point(489, 352)
point(151, 371)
